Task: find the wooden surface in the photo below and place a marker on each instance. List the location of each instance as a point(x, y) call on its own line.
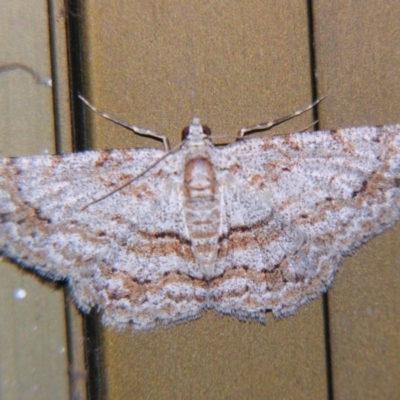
point(157, 64)
point(358, 65)
point(36, 361)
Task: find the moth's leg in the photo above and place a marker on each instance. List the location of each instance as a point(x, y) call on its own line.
point(38, 79)
point(309, 126)
point(133, 128)
point(268, 125)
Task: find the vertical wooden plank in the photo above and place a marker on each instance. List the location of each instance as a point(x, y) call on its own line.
point(157, 64)
point(33, 343)
point(33, 340)
point(59, 13)
point(358, 64)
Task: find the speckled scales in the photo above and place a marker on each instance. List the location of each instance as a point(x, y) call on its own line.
point(286, 209)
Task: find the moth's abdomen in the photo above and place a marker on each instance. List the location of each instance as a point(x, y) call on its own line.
point(202, 209)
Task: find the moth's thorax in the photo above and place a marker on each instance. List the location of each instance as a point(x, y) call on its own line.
point(201, 199)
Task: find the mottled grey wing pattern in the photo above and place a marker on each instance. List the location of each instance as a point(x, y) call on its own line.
point(296, 204)
point(126, 254)
point(291, 207)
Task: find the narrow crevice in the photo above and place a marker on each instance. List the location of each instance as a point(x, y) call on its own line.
point(325, 300)
point(54, 76)
point(313, 61)
point(74, 15)
point(328, 349)
point(75, 46)
point(93, 346)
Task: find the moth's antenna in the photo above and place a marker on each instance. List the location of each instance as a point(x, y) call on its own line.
point(268, 125)
point(139, 131)
point(133, 128)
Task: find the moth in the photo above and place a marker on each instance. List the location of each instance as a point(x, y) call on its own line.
point(154, 237)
